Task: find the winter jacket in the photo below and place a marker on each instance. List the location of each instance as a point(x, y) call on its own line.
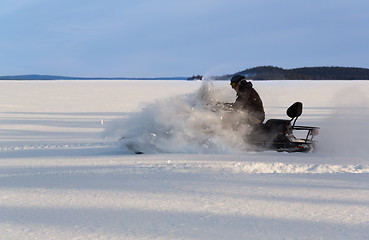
point(248, 101)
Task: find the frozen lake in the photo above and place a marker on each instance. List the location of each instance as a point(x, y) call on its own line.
point(63, 175)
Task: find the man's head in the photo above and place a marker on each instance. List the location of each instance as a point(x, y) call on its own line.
point(239, 83)
point(236, 80)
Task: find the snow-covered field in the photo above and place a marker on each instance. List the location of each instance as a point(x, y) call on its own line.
point(64, 175)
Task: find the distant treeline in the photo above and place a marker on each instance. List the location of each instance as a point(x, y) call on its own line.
point(256, 73)
point(305, 73)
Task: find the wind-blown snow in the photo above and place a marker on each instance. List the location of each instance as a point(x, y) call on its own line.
point(188, 123)
point(64, 173)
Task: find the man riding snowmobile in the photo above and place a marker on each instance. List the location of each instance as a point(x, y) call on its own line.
point(248, 101)
point(275, 134)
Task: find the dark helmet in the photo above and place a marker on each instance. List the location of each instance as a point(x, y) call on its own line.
point(240, 80)
point(236, 79)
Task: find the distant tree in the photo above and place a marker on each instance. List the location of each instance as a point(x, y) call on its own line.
point(197, 77)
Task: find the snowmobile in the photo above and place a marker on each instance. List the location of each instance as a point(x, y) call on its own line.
point(274, 134)
point(278, 134)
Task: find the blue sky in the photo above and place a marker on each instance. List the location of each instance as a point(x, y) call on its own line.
point(162, 38)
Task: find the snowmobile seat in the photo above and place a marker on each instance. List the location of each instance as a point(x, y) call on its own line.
point(277, 125)
point(278, 130)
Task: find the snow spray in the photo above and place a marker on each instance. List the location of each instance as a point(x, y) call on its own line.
point(345, 131)
point(191, 123)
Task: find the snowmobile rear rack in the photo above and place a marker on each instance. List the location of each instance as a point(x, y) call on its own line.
point(311, 131)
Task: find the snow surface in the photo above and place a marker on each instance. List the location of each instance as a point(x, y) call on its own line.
point(65, 175)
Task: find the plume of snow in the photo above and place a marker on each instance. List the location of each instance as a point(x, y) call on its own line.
point(345, 131)
point(191, 123)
